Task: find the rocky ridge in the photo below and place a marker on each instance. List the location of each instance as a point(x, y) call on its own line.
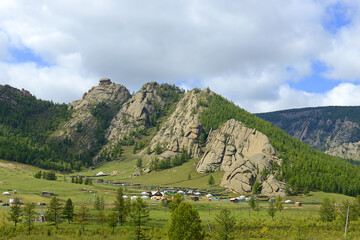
point(333, 130)
point(346, 150)
point(136, 113)
point(243, 154)
point(182, 129)
point(7, 94)
point(80, 128)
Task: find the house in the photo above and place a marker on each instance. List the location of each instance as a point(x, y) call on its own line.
point(12, 200)
point(298, 204)
point(195, 199)
point(104, 82)
point(156, 194)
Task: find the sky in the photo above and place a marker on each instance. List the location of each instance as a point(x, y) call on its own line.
point(262, 55)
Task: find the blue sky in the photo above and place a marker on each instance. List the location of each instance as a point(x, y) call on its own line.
point(264, 56)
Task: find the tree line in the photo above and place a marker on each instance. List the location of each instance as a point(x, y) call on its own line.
point(302, 167)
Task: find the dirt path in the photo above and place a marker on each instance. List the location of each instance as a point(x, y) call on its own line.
point(10, 165)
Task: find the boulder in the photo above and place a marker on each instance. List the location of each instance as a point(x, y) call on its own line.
point(242, 153)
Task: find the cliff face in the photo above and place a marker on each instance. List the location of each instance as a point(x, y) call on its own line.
point(245, 155)
point(333, 130)
point(182, 129)
point(81, 127)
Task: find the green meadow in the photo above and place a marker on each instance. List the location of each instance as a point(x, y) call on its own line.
point(292, 222)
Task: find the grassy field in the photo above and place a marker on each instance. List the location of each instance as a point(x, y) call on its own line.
point(19, 177)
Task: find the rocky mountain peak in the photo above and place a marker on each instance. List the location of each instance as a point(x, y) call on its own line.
point(182, 129)
point(8, 94)
point(246, 155)
point(108, 93)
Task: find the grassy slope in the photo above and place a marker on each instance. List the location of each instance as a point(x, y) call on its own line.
point(29, 188)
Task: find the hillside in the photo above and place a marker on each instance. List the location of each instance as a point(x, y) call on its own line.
point(163, 127)
point(334, 130)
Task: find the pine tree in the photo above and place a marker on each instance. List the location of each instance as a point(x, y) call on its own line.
point(29, 216)
point(256, 187)
point(101, 217)
point(112, 220)
point(97, 203)
point(121, 207)
point(271, 210)
point(185, 224)
point(252, 203)
point(226, 223)
point(82, 216)
point(279, 204)
point(15, 211)
point(327, 210)
point(54, 211)
point(211, 180)
point(175, 202)
point(138, 214)
point(68, 211)
point(158, 149)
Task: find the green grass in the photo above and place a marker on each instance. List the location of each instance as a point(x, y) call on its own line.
point(29, 189)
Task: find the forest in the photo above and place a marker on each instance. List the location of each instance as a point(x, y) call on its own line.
point(303, 167)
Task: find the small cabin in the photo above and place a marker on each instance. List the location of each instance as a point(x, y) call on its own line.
point(195, 199)
point(104, 82)
point(298, 204)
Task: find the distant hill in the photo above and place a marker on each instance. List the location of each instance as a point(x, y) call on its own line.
point(334, 130)
point(162, 126)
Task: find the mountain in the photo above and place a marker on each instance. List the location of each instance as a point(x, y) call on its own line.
point(164, 126)
point(334, 130)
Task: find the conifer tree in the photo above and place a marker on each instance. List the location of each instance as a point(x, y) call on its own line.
point(82, 216)
point(271, 210)
point(226, 223)
point(112, 220)
point(211, 180)
point(138, 214)
point(279, 204)
point(68, 211)
point(29, 216)
point(54, 211)
point(327, 210)
point(185, 224)
point(121, 207)
point(15, 212)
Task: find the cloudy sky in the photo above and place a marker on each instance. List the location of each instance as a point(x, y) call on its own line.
point(262, 55)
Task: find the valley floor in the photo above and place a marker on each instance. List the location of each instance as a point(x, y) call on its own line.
point(292, 222)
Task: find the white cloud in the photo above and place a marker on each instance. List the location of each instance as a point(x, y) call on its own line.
point(342, 95)
point(241, 49)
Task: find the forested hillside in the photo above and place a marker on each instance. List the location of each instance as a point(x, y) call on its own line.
point(320, 127)
point(25, 125)
point(180, 123)
point(303, 167)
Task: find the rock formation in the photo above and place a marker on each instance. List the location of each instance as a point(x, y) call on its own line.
point(134, 112)
point(346, 150)
point(333, 130)
point(245, 155)
point(182, 129)
point(80, 128)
